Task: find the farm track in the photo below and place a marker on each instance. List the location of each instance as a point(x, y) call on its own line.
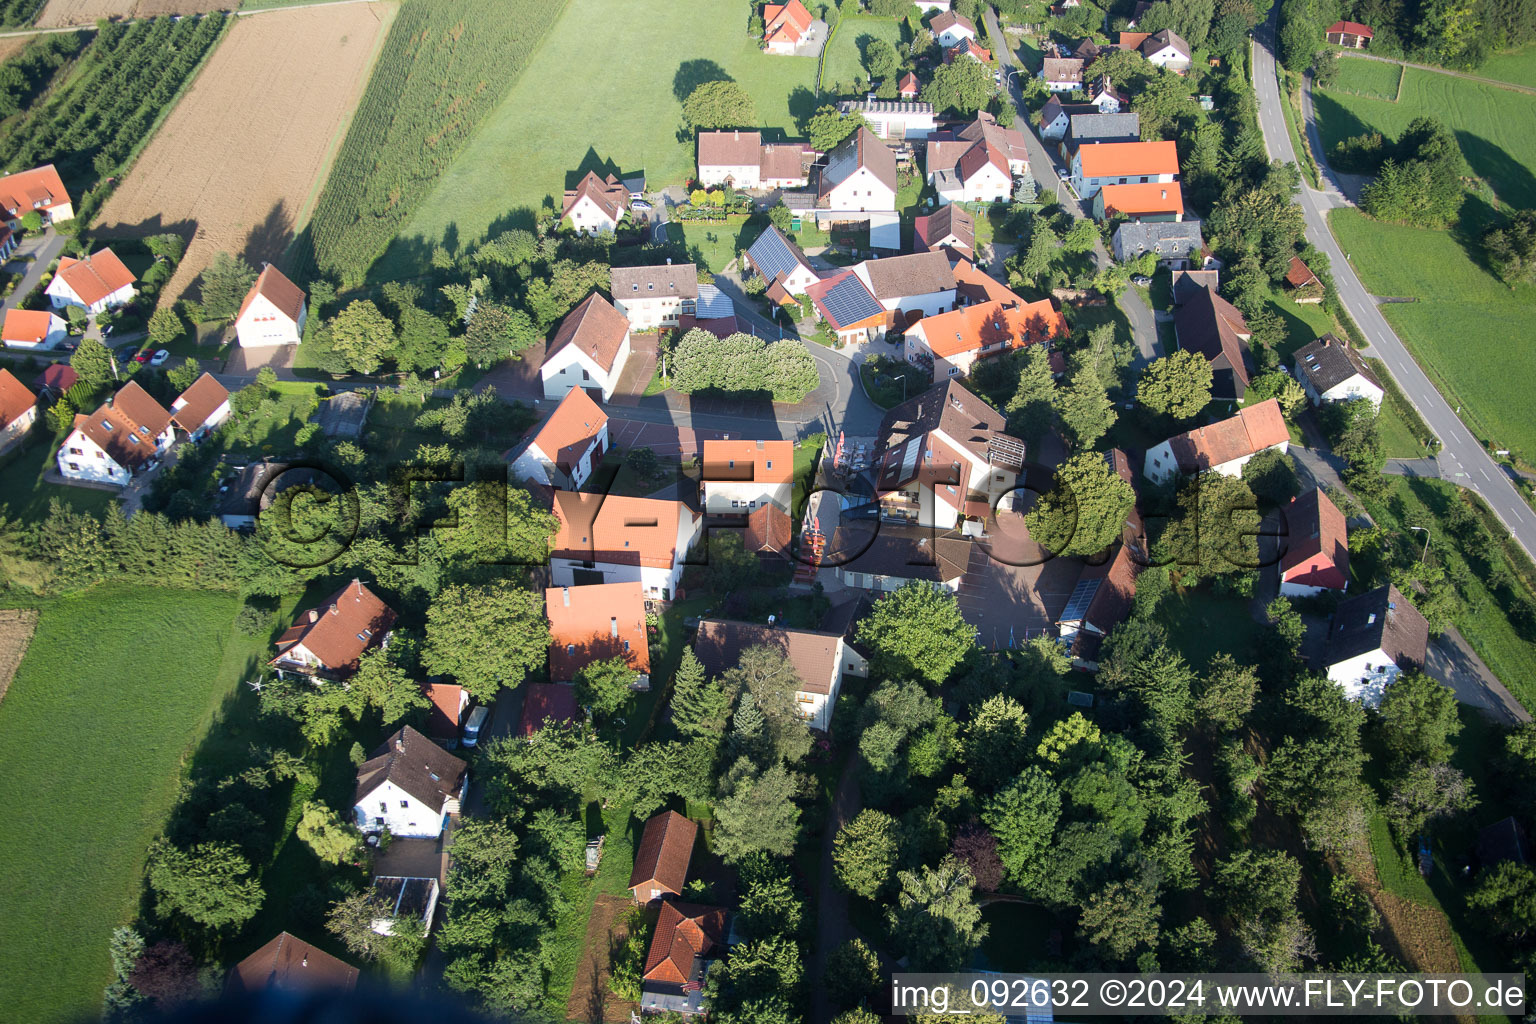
point(134, 10)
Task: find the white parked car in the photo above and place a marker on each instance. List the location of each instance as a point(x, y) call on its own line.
point(160, 356)
point(639, 204)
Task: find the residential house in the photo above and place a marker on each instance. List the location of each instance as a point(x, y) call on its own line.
point(611, 539)
point(274, 311)
point(408, 786)
point(588, 351)
point(124, 437)
point(687, 939)
point(1122, 163)
point(655, 297)
point(949, 229)
point(289, 964)
point(1091, 128)
point(565, 450)
point(1374, 638)
point(970, 49)
point(742, 160)
point(1103, 95)
point(1099, 602)
point(33, 328)
point(912, 286)
point(785, 26)
point(661, 860)
point(18, 410)
point(768, 534)
point(819, 660)
point(96, 284)
point(1087, 51)
point(1350, 34)
point(1176, 243)
point(781, 263)
point(952, 29)
point(597, 623)
point(1166, 49)
point(1303, 284)
point(596, 205)
point(893, 120)
point(857, 185)
point(942, 455)
point(848, 306)
point(1056, 117)
point(548, 704)
point(448, 703)
point(897, 555)
point(201, 408)
point(1010, 142)
point(1061, 74)
point(951, 343)
point(1152, 202)
point(55, 380)
point(1212, 326)
point(40, 189)
point(329, 641)
point(908, 87)
point(1187, 284)
point(1331, 371)
point(1316, 556)
point(739, 477)
point(1223, 447)
point(976, 165)
point(932, 5)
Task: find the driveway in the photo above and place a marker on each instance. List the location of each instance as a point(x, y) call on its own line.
point(1452, 661)
point(1013, 589)
point(46, 247)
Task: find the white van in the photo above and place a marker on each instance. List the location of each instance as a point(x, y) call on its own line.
point(473, 723)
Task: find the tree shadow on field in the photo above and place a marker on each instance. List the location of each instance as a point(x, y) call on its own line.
point(802, 107)
point(148, 227)
point(693, 73)
point(1474, 218)
point(266, 242)
point(524, 218)
point(1335, 122)
point(1512, 181)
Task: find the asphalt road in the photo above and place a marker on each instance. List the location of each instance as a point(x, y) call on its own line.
point(1462, 459)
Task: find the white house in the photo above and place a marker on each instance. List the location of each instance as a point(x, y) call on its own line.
point(588, 351)
point(780, 262)
point(596, 205)
point(932, 5)
point(915, 285)
point(570, 444)
point(1056, 117)
point(1122, 163)
point(741, 476)
point(653, 297)
point(858, 186)
point(18, 410)
point(409, 786)
point(1103, 96)
point(893, 120)
point(39, 189)
point(1061, 74)
point(97, 283)
point(1374, 638)
point(897, 555)
point(33, 328)
point(1166, 49)
point(951, 29)
point(820, 660)
point(1223, 447)
point(1331, 371)
point(977, 174)
point(733, 158)
point(200, 408)
point(329, 640)
point(274, 311)
point(605, 538)
point(1316, 547)
point(124, 437)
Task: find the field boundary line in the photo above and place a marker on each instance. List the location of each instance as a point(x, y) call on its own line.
point(1511, 86)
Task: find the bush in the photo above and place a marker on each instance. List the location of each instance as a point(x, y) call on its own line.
point(253, 621)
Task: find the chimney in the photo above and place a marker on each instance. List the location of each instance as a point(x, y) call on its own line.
point(669, 261)
point(1327, 340)
point(336, 608)
point(613, 626)
point(314, 616)
point(304, 962)
point(565, 592)
point(400, 742)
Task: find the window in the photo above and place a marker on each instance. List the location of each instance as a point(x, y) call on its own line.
point(570, 650)
point(75, 466)
point(106, 425)
point(383, 807)
point(132, 439)
point(76, 451)
point(655, 894)
point(585, 375)
point(405, 804)
point(626, 646)
point(770, 463)
point(144, 431)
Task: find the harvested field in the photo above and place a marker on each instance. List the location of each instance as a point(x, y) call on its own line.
point(16, 626)
point(236, 164)
point(592, 998)
point(59, 13)
point(12, 46)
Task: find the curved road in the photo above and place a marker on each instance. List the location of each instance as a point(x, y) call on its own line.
point(1462, 459)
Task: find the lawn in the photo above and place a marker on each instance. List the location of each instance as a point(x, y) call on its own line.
point(1474, 337)
point(1367, 78)
point(1303, 323)
point(1518, 66)
point(716, 245)
point(1202, 624)
point(94, 746)
point(24, 495)
point(1398, 438)
point(561, 120)
point(844, 63)
point(273, 430)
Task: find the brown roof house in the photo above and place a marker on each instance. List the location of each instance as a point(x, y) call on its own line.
point(687, 939)
point(201, 408)
point(661, 861)
point(596, 205)
point(409, 786)
point(1099, 602)
point(39, 189)
point(656, 296)
point(1223, 447)
point(899, 554)
point(1331, 371)
point(950, 229)
point(1212, 326)
point(121, 439)
point(18, 410)
point(1375, 637)
point(1316, 553)
point(567, 447)
point(548, 704)
point(743, 160)
point(818, 660)
point(289, 964)
point(588, 351)
point(328, 641)
point(274, 311)
point(1061, 74)
point(857, 185)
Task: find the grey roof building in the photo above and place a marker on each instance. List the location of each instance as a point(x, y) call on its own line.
point(1089, 128)
point(1176, 243)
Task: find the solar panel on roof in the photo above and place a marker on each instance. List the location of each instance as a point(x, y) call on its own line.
point(1082, 597)
point(771, 255)
point(849, 301)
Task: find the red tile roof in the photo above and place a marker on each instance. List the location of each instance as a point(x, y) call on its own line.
point(15, 399)
point(344, 626)
point(1143, 198)
point(684, 934)
point(764, 462)
point(618, 530)
point(1123, 159)
point(58, 376)
point(278, 290)
point(95, 277)
point(595, 328)
point(1317, 546)
point(198, 402)
point(730, 149)
point(597, 620)
point(610, 194)
point(25, 190)
point(769, 531)
point(571, 428)
point(292, 965)
point(908, 85)
point(1353, 28)
point(28, 326)
point(948, 221)
point(552, 702)
point(127, 426)
point(1010, 324)
point(447, 700)
point(661, 861)
point(789, 20)
point(1251, 431)
point(1298, 274)
point(979, 286)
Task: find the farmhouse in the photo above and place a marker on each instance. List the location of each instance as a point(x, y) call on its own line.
point(900, 554)
point(942, 455)
point(951, 343)
point(738, 477)
point(1331, 371)
point(688, 937)
point(818, 660)
point(952, 29)
point(1177, 244)
point(97, 283)
point(568, 447)
point(1061, 74)
point(40, 189)
point(1056, 117)
point(742, 160)
point(33, 328)
point(1212, 326)
point(1223, 447)
point(661, 859)
point(653, 297)
point(911, 286)
point(785, 26)
point(612, 539)
point(124, 437)
point(893, 120)
point(1303, 284)
point(1375, 637)
point(588, 351)
point(1123, 163)
point(858, 186)
point(548, 704)
point(328, 641)
point(1151, 202)
point(781, 263)
point(18, 411)
point(274, 311)
point(596, 205)
point(596, 623)
point(1103, 96)
point(410, 786)
point(1099, 602)
point(949, 228)
point(976, 165)
point(289, 964)
point(201, 408)
point(1348, 33)
point(1317, 546)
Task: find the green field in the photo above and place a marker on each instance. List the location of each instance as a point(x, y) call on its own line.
point(24, 494)
point(562, 117)
point(1367, 78)
point(845, 52)
point(1473, 336)
point(117, 688)
point(1495, 127)
point(1518, 66)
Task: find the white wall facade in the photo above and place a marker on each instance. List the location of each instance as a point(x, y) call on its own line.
point(885, 584)
point(987, 185)
point(58, 330)
point(62, 295)
point(861, 192)
point(406, 816)
point(80, 458)
point(1160, 464)
point(571, 368)
point(263, 324)
point(1365, 678)
point(650, 312)
point(589, 219)
point(1345, 391)
point(1169, 57)
point(1089, 187)
point(955, 35)
point(739, 497)
point(15, 430)
point(739, 175)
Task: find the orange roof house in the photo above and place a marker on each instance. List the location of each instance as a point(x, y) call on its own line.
point(770, 462)
point(95, 282)
point(1125, 159)
point(448, 702)
point(1316, 554)
point(273, 311)
point(1222, 447)
point(686, 935)
point(1303, 282)
point(29, 328)
point(620, 530)
point(908, 88)
point(957, 339)
point(39, 189)
point(568, 446)
point(131, 430)
point(661, 861)
point(1152, 200)
point(201, 407)
point(768, 533)
point(595, 623)
point(785, 25)
point(329, 640)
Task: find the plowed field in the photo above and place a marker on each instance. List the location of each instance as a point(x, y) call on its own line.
point(59, 13)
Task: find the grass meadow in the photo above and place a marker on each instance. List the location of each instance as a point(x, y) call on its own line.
point(562, 119)
point(1368, 78)
point(1517, 66)
point(845, 52)
point(117, 689)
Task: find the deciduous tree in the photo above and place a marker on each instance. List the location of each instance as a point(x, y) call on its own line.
point(605, 686)
point(486, 636)
point(722, 104)
point(917, 631)
point(1085, 511)
point(1419, 719)
point(1177, 385)
point(322, 830)
point(362, 335)
point(936, 919)
point(864, 853)
point(224, 285)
